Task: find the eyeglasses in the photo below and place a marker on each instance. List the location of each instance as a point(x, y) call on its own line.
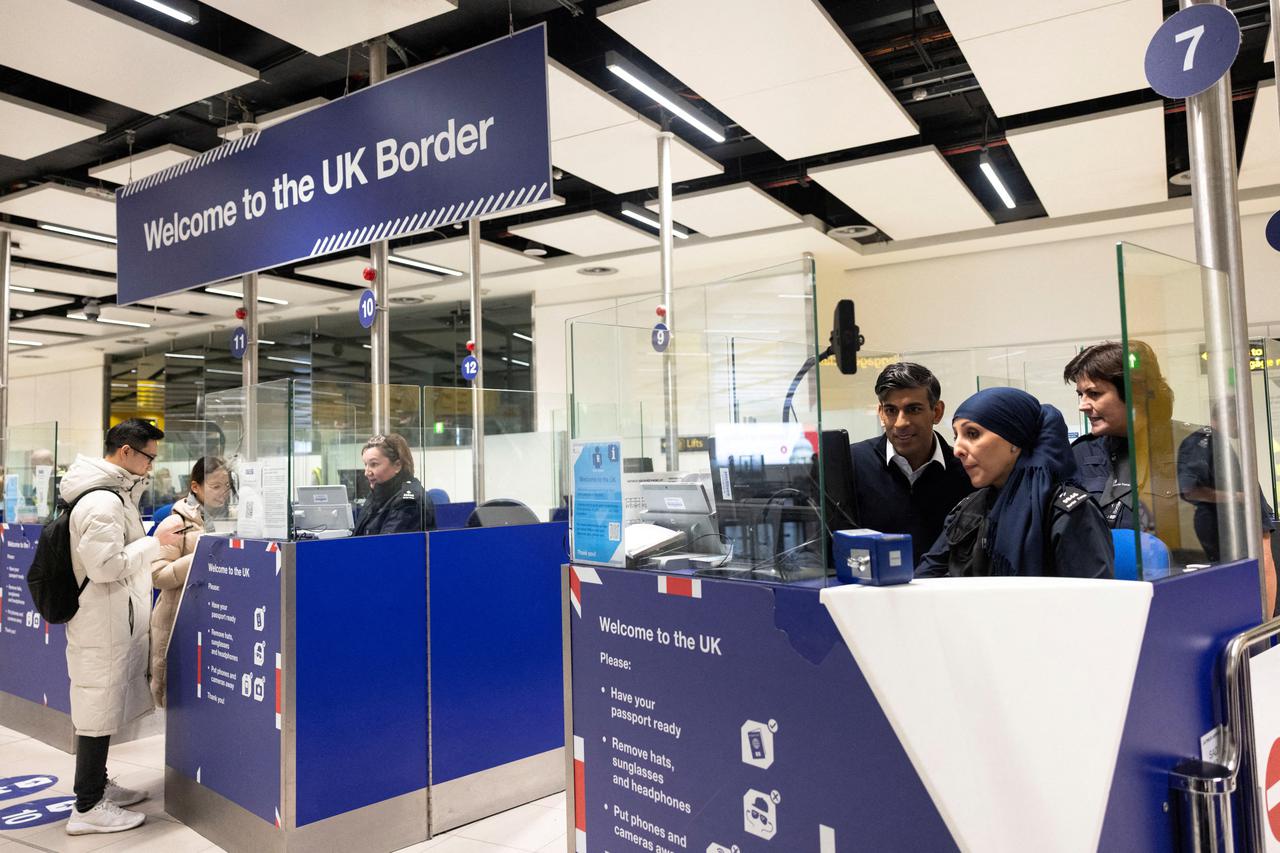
point(150, 457)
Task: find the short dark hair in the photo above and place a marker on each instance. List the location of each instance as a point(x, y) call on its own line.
point(393, 446)
point(903, 375)
point(134, 432)
point(1099, 362)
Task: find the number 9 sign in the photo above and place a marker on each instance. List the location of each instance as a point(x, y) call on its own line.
point(367, 309)
point(239, 342)
point(1192, 50)
point(661, 337)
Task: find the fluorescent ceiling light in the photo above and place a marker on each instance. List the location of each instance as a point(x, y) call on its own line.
point(227, 372)
point(422, 265)
point(664, 96)
point(514, 361)
point(522, 337)
point(79, 315)
point(268, 343)
point(183, 355)
point(267, 299)
point(23, 343)
point(984, 163)
point(794, 296)
point(640, 214)
point(20, 289)
point(76, 232)
point(188, 13)
point(289, 360)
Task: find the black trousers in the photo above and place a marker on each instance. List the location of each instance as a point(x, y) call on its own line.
point(91, 770)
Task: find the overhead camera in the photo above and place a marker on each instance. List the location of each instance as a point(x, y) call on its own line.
point(92, 309)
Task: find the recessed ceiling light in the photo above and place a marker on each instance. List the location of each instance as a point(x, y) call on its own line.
point(535, 252)
point(179, 10)
point(597, 270)
point(76, 232)
point(267, 299)
point(1182, 179)
point(409, 300)
point(853, 232)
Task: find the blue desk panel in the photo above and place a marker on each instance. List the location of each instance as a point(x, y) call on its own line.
point(452, 516)
point(33, 653)
point(361, 663)
point(497, 689)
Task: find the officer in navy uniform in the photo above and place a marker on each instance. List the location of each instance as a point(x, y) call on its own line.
point(907, 479)
point(398, 503)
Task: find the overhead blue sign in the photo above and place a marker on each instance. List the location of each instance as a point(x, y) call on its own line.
point(465, 136)
point(1192, 50)
point(367, 308)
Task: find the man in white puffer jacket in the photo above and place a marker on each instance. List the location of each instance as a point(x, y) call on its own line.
point(108, 640)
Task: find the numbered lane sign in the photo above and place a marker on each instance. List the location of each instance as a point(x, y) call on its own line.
point(239, 342)
point(470, 367)
point(367, 309)
point(661, 337)
point(1273, 231)
point(1192, 50)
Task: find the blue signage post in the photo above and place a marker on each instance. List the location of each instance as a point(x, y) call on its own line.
point(458, 138)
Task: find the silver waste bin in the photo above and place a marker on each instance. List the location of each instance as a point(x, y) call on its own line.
point(1200, 796)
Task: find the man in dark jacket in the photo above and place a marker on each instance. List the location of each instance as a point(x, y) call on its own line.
point(907, 480)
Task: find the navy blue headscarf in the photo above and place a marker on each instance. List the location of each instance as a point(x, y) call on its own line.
point(1018, 521)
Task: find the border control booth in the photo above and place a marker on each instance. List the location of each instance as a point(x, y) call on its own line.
point(328, 690)
point(727, 690)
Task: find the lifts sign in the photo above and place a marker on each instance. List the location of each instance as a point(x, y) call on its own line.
point(463, 137)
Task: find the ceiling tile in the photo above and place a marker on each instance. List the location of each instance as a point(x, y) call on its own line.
point(1063, 60)
point(28, 130)
point(350, 271)
point(83, 328)
point(36, 301)
point(729, 210)
point(323, 26)
point(1260, 166)
point(908, 194)
point(61, 205)
point(968, 19)
point(59, 281)
point(141, 165)
point(43, 338)
point(586, 234)
point(785, 72)
point(107, 54)
point(456, 254)
point(197, 301)
point(34, 244)
point(275, 287)
point(1097, 162)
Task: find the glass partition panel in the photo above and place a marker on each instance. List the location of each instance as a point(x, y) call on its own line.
point(742, 492)
point(30, 466)
point(1178, 378)
point(254, 441)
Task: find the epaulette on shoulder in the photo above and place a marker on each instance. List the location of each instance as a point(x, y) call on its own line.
point(1070, 497)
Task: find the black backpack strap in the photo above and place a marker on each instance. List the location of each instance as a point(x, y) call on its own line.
point(72, 505)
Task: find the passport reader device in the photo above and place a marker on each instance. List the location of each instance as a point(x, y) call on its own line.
point(872, 557)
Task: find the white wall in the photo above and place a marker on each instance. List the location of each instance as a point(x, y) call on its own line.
point(70, 395)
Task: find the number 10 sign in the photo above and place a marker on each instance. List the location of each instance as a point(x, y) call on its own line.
point(1192, 50)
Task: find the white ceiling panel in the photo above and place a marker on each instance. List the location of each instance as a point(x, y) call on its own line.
point(456, 254)
point(274, 287)
point(36, 301)
point(586, 234)
point(28, 130)
point(1260, 166)
point(141, 165)
point(599, 139)
point(723, 211)
point(66, 326)
point(784, 71)
point(137, 315)
point(58, 281)
point(1078, 165)
point(323, 26)
point(34, 244)
point(1060, 59)
point(908, 194)
point(60, 205)
point(350, 271)
point(110, 55)
point(197, 301)
point(43, 338)
point(968, 19)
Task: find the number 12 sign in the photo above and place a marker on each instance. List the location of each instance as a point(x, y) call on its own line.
point(1192, 50)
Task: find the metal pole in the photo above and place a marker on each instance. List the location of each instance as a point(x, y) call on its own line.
point(6, 256)
point(669, 408)
point(249, 364)
point(380, 331)
point(1211, 139)
point(477, 384)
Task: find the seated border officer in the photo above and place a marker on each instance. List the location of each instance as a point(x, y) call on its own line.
point(1027, 517)
point(907, 479)
point(398, 503)
point(1103, 455)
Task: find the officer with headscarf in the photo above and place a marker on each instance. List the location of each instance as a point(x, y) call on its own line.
point(1027, 516)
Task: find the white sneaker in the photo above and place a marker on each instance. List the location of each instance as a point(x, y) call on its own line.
point(122, 796)
point(106, 816)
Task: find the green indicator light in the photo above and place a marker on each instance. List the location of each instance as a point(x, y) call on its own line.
point(439, 427)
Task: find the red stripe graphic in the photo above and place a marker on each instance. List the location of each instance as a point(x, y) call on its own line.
point(680, 586)
point(579, 796)
point(277, 690)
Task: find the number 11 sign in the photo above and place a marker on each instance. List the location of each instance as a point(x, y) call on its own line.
point(1192, 50)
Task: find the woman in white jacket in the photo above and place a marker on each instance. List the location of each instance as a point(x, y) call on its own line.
point(108, 638)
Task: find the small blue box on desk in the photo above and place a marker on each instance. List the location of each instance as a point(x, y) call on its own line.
point(872, 557)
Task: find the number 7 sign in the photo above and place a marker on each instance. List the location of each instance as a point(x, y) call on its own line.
point(1192, 50)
